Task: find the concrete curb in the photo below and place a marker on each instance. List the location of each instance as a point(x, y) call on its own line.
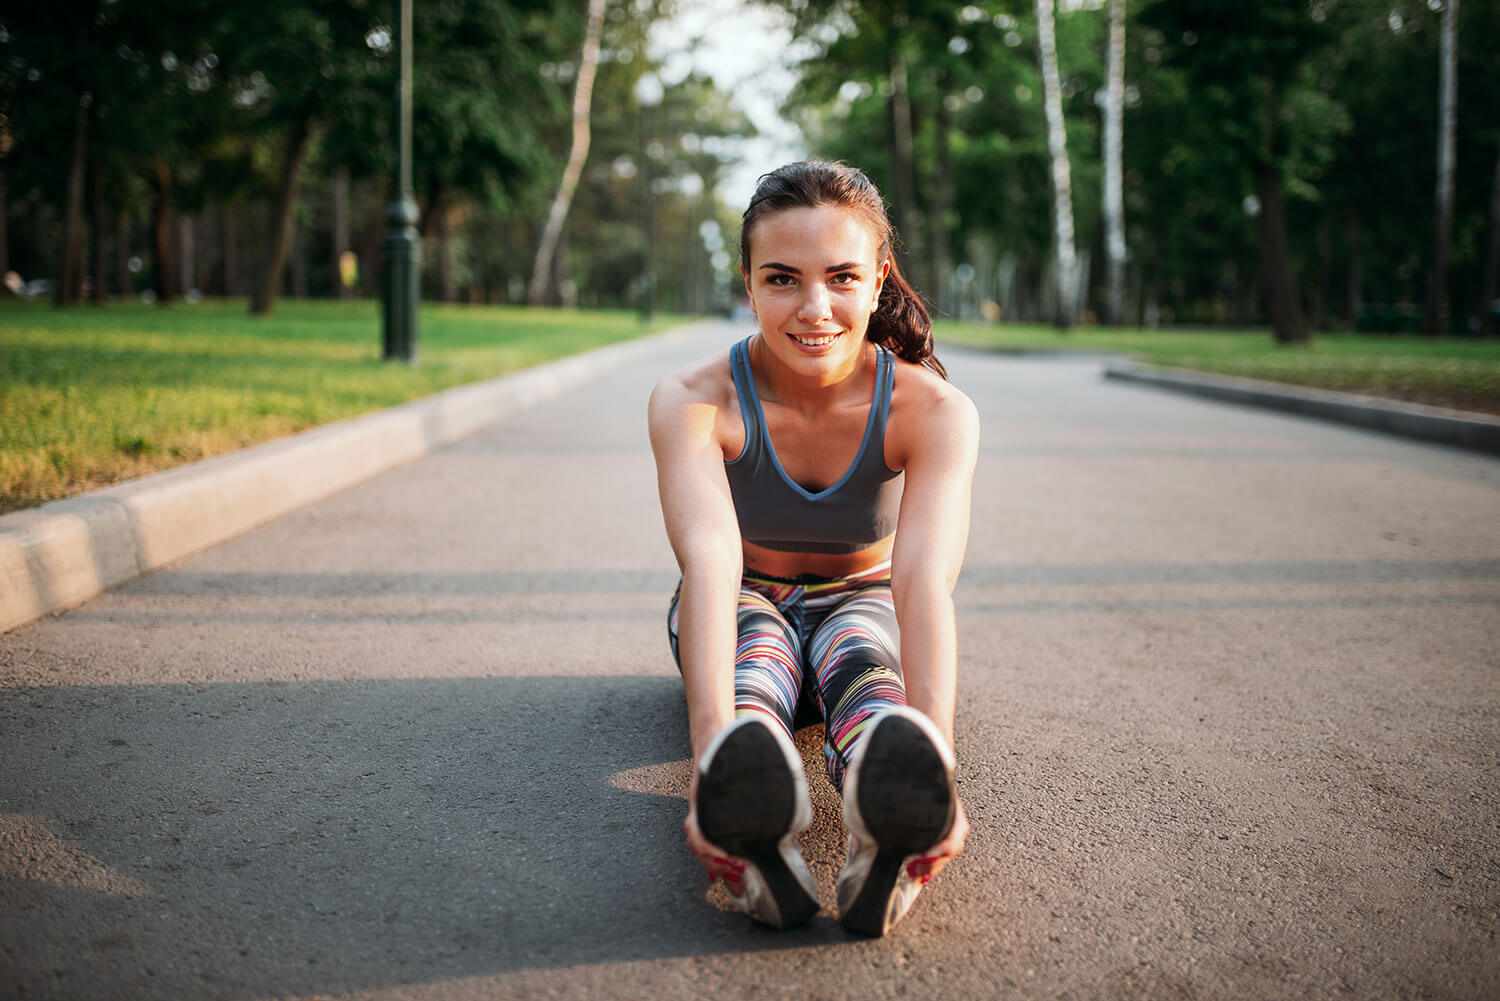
point(1459, 428)
point(63, 553)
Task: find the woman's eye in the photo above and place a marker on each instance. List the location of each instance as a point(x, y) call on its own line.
point(779, 280)
point(845, 278)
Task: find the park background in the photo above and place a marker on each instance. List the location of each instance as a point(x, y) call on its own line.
point(1324, 174)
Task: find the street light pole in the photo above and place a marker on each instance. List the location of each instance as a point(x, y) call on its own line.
point(403, 248)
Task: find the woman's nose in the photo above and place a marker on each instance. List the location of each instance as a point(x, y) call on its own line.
point(814, 303)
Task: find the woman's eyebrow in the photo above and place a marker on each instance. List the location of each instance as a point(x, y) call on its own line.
point(777, 266)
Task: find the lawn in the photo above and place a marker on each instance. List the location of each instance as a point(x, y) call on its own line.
point(1458, 372)
point(91, 396)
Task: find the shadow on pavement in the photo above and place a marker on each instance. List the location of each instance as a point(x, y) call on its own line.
point(291, 838)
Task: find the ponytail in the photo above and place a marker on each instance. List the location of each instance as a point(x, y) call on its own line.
point(901, 323)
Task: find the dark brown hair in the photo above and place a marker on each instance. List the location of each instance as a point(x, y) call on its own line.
point(900, 321)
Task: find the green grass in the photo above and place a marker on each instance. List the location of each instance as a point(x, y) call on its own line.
point(92, 396)
point(1458, 372)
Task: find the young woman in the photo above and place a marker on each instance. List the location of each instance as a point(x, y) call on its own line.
point(815, 484)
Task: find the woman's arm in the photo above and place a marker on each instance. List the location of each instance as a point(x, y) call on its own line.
point(705, 536)
point(931, 535)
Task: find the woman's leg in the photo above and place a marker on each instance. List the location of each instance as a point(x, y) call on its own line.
point(767, 666)
point(855, 656)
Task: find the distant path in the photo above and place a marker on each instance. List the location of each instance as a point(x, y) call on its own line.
point(1229, 728)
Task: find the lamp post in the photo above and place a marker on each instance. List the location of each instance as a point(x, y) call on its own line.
point(403, 248)
point(648, 94)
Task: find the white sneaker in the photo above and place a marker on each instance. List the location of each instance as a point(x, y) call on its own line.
point(899, 801)
point(753, 802)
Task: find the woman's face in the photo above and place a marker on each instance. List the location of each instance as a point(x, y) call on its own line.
point(813, 282)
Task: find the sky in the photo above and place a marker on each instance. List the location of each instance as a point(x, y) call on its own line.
point(748, 51)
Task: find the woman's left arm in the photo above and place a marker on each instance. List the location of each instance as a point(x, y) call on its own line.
point(929, 551)
point(930, 538)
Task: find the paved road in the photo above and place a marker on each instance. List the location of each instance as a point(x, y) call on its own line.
point(1229, 727)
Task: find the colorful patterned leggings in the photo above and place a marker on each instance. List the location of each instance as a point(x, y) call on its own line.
point(829, 644)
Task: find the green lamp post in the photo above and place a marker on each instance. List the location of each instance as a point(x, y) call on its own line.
point(402, 286)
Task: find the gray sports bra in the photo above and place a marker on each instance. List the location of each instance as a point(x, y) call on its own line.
point(778, 513)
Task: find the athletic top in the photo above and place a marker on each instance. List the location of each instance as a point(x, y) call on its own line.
point(776, 512)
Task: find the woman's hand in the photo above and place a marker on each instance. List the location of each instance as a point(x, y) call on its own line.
point(713, 859)
point(946, 851)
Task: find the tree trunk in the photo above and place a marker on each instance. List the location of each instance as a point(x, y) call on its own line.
point(122, 255)
point(284, 217)
point(161, 230)
point(340, 230)
point(583, 96)
point(1435, 309)
point(70, 282)
point(96, 233)
point(1062, 182)
point(187, 254)
point(1282, 301)
point(1318, 320)
point(1114, 197)
point(444, 255)
point(941, 281)
point(1492, 261)
point(229, 222)
point(903, 157)
point(1356, 288)
point(4, 227)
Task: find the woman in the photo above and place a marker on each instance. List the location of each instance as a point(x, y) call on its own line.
point(815, 485)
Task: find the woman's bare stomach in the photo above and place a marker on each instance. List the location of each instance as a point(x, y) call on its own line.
point(774, 563)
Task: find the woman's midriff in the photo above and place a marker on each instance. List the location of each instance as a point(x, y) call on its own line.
point(775, 563)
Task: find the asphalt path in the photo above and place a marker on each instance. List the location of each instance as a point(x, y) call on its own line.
point(1229, 727)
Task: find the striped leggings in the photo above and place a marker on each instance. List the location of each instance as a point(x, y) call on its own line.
point(825, 646)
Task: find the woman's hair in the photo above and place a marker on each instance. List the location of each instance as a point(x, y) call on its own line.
point(900, 321)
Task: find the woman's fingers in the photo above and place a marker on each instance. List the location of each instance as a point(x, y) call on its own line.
point(714, 860)
point(929, 865)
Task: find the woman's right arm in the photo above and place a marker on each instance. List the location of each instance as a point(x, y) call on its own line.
point(705, 537)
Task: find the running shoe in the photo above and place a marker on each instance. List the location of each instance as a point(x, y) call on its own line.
point(899, 802)
point(752, 803)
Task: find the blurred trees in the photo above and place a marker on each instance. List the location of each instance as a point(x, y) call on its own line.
point(247, 148)
point(1276, 159)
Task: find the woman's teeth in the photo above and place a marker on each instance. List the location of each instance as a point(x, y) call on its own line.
point(818, 341)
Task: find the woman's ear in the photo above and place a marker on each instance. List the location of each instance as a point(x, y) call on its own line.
point(746, 275)
point(880, 277)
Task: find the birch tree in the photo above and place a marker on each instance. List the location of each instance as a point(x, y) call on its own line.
point(1065, 256)
point(583, 94)
point(1436, 305)
point(1114, 202)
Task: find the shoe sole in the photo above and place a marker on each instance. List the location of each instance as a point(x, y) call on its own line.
point(747, 804)
point(905, 798)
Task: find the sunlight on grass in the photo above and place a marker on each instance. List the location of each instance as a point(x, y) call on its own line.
point(1457, 372)
point(92, 396)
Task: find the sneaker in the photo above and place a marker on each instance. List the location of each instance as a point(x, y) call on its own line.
point(753, 802)
point(899, 802)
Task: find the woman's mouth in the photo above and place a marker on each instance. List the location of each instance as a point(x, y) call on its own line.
point(814, 340)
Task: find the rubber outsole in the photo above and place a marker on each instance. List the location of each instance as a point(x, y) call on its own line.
point(906, 803)
point(747, 804)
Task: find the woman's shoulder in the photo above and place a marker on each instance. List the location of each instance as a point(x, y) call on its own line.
point(919, 392)
point(928, 411)
point(706, 382)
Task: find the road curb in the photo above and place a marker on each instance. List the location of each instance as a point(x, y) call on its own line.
point(63, 553)
point(1459, 428)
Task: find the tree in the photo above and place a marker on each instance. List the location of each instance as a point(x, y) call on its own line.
point(541, 274)
point(1114, 202)
point(1436, 306)
point(1065, 256)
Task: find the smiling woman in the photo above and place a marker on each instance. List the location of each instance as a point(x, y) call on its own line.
point(815, 484)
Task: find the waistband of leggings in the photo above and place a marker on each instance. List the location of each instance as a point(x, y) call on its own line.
point(879, 573)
